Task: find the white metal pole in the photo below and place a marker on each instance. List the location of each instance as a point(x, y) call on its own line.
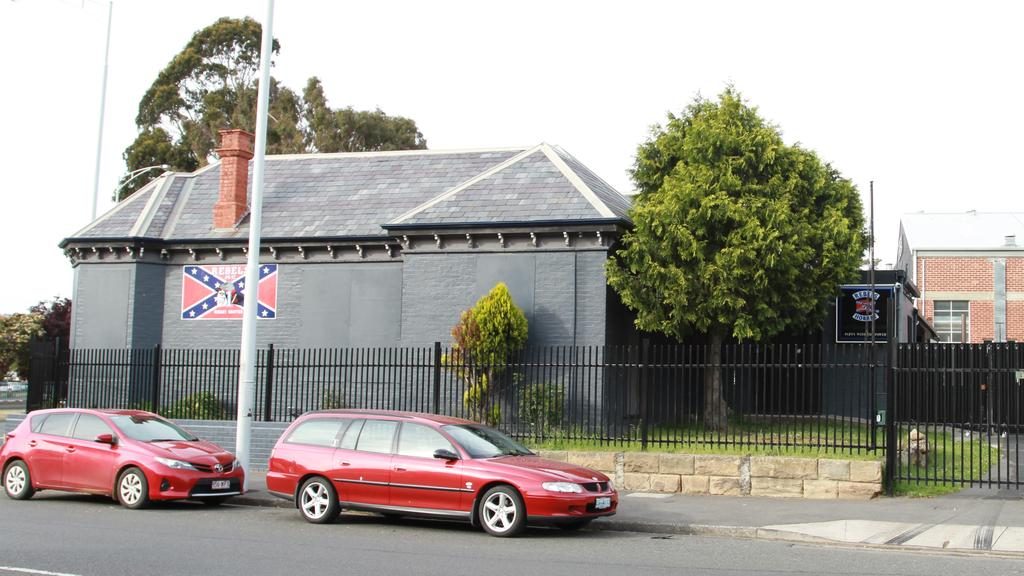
point(103, 106)
point(247, 371)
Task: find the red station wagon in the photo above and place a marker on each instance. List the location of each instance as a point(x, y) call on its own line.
point(132, 455)
point(407, 464)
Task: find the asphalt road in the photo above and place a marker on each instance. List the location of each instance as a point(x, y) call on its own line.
point(84, 536)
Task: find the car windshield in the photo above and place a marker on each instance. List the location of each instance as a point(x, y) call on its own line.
point(150, 429)
point(483, 442)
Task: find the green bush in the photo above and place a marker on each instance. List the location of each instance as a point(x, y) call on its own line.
point(483, 340)
point(199, 406)
point(333, 400)
point(542, 406)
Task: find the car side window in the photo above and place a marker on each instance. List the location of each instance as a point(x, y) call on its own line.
point(89, 427)
point(377, 436)
point(57, 424)
point(318, 432)
point(421, 441)
point(348, 441)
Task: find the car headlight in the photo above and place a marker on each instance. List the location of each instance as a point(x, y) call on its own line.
point(175, 464)
point(563, 487)
point(235, 464)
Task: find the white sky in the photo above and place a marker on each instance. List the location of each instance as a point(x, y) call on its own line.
point(924, 98)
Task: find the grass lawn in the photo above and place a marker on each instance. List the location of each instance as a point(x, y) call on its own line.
point(952, 454)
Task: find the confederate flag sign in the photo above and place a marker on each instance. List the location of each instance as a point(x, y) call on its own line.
point(218, 291)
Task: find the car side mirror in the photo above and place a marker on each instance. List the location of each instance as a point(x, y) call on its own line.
point(445, 454)
point(107, 439)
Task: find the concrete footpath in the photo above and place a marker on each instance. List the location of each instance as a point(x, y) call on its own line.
point(976, 520)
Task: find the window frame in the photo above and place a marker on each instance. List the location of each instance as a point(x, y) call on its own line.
point(81, 416)
point(401, 430)
point(343, 424)
point(952, 313)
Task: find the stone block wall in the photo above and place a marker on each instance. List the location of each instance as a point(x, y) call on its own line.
point(770, 476)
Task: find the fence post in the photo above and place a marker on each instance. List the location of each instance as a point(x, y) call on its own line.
point(891, 442)
point(268, 394)
point(155, 393)
point(644, 396)
point(436, 403)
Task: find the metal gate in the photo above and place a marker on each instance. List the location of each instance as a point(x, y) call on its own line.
point(48, 375)
point(956, 412)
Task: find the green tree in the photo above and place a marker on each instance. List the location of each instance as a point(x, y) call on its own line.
point(348, 130)
point(16, 334)
point(736, 234)
point(483, 340)
point(213, 84)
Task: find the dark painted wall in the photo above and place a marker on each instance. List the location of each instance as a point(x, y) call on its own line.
point(100, 315)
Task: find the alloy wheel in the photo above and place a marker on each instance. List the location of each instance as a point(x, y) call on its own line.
point(15, 480)
point(500, 512)
point(130, 489)
point(315, 500)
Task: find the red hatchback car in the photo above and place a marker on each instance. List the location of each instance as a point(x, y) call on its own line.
point(407, 464)
point(133, 456)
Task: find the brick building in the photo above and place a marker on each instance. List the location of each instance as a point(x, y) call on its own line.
point(969, 269)
point(362, 249)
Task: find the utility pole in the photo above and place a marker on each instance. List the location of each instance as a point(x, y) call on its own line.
point(247, 368)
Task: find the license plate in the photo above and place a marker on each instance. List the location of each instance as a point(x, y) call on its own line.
point(602, 503)
point(225, 484)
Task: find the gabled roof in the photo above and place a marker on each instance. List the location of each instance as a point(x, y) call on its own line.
point(963, 230)
point(542, 184)
point(355, 194)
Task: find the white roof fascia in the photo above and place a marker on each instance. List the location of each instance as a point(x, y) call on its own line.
point(995, 251)
point(578, 182)
point(482, 176)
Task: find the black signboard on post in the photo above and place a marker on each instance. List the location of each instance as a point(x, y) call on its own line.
point(856, 306)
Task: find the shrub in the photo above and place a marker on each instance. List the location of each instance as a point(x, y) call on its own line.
point(486, 335)
point(199, 406)
point(542, 406)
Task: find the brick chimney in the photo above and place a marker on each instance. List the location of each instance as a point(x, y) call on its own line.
point(235, 152)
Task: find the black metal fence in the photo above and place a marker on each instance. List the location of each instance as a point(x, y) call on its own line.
point(954, 415)
point(786, 397)
point(957, 414)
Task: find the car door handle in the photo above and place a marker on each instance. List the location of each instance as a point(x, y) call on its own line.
point(399, 469)
point(69, 449)
point(343, 463)
point(32, 443)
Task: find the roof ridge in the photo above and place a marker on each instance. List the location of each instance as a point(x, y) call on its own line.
point(577, 182)
point(385, 153)
point(479, 177)
point(130, 200)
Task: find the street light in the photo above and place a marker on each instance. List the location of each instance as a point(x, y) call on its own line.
point(135, 174)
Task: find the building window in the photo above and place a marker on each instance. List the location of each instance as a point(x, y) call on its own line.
point(952, 320)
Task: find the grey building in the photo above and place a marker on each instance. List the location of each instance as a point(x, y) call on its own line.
point(360, 249)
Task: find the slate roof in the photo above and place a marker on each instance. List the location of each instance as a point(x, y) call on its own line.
point(963, 230)
point(538, 185)
point(355, 194)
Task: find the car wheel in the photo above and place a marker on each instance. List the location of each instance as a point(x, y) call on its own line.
point(17, 482)
point(575, 525)
point(318, 502)
point(502, 512)
point(132, 489)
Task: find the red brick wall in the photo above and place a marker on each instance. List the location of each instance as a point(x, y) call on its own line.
point(956, 274)
point(1015, 274)
point(1015, 320)
point(975, 274)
